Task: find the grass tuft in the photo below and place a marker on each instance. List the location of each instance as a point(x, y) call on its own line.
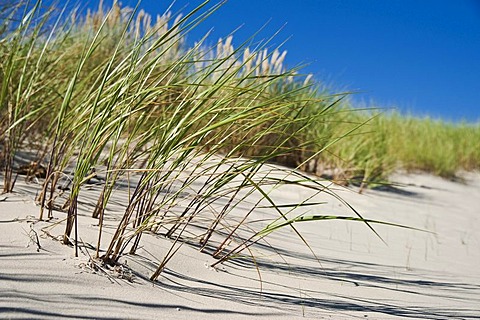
point(190, 131)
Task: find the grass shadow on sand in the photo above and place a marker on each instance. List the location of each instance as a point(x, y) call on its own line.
point(332, 302)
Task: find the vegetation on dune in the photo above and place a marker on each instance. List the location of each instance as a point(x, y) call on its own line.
point(188, 127)
point(390, 141)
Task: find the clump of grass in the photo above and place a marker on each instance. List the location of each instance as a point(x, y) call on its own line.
point(133, 100)
point(191, 130)
point(433, 145)
point(384, 142)
point(390, 141)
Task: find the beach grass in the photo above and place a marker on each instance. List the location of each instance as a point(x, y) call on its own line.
point(117, 94)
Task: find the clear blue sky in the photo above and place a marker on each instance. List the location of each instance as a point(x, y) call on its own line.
point(421, 56)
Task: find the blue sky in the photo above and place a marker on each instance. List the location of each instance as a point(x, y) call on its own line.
point(421, 56)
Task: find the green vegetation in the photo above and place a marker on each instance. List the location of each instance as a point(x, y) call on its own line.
point(390, 141)
point(188, 126)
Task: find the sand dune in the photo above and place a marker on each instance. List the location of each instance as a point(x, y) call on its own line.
point(414, 274)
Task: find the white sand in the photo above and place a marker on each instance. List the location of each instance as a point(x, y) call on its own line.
point(416, 275)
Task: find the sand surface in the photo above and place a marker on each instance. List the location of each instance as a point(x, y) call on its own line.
point(414, 274)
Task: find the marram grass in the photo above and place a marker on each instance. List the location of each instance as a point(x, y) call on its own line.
point(190, 130)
